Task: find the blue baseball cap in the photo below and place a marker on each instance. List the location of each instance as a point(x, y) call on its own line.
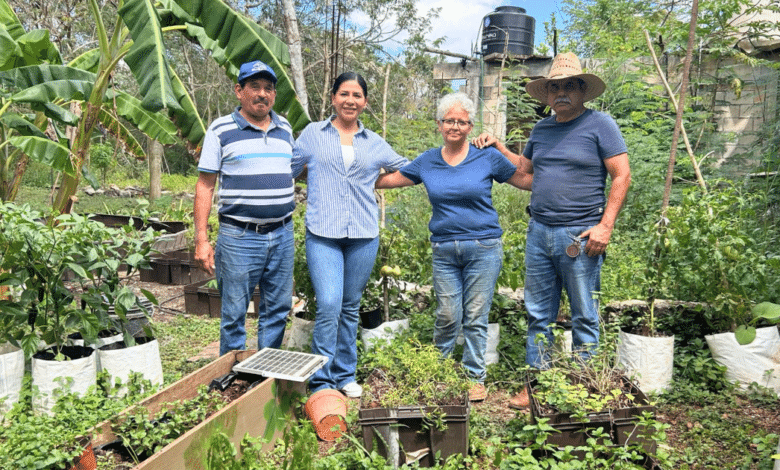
point(256, 67)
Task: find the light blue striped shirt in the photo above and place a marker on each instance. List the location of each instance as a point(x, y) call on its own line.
point(254, 167)
point(340, 201)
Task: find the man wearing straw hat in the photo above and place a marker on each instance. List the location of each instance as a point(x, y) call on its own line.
point(565, 164)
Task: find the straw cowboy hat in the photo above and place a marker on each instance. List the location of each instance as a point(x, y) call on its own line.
point(564, 66)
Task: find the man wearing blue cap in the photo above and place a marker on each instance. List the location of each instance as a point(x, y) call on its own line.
point(250, 152)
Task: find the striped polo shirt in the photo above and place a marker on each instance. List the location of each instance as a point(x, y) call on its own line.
point(254, 167)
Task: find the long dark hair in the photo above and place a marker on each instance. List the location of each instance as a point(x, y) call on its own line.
point(346, 77)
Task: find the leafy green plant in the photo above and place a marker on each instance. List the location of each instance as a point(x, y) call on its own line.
point(36, 259)
point(706, 252)
point(51, 441)
point(767, 312)
point(408, 373)
point(143, 435)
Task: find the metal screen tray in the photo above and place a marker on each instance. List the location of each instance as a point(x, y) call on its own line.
point(281, 364)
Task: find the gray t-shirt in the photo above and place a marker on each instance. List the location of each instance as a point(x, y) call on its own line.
point(569, 172)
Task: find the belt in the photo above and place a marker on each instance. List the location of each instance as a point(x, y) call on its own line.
point(257, 228)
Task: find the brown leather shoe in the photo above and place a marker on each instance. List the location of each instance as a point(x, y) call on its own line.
point(520, 401)
point(477, 392)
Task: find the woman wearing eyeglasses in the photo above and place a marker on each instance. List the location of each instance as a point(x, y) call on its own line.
point(465, 233)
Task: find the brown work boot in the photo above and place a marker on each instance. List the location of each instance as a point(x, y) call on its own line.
point(520, 401)
point(477, 392)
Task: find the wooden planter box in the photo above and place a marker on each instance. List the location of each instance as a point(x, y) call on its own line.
point(246, 415)
point(621, 424)
point(202, 300)
point(398, 433)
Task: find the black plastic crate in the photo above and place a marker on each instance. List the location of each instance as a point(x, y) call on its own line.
point(399, 434)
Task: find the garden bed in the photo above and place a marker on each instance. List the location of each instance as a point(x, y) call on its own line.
point(255, 412)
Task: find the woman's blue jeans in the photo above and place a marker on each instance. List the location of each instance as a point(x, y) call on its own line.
point(464, 279)
point(548, 269)
point(339, 270)
point(245, 259)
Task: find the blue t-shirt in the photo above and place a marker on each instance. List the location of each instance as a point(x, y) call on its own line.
point(461, 195)
point(569, 172)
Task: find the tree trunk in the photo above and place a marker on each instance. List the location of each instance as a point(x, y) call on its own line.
point(296, 57)
point(155, 156)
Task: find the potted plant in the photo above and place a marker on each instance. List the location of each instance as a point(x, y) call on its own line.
point(751, 354)
point(415, 405)
point(35, 258)
point(722, 269)
point(577, 397)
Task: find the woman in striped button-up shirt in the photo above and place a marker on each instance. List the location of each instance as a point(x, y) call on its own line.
point(342, 234)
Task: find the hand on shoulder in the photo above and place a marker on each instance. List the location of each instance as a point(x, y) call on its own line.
point(483, 140)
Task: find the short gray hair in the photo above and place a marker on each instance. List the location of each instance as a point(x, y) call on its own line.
point(460, 99)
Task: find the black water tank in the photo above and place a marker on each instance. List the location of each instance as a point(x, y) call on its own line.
point(512, 22)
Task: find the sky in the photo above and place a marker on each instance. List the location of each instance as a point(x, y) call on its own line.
point(460, 20)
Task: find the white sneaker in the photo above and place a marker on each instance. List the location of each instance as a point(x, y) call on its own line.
point(352, 390)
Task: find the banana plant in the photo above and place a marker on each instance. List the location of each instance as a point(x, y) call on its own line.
point(81, 94)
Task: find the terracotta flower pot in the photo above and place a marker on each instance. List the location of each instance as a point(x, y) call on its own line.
point(327, 409)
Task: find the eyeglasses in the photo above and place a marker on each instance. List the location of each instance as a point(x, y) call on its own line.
point(453, 122)
point(568, 87)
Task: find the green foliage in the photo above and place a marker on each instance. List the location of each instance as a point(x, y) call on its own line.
point(706, 252)
point(521, 112)
point(176, 343)
point(101, 158)
point(411, 137)
point(409, 373)
point(301, 280)
point(36, 258)
point(766, 313)
point(43, 441)
point(144, 435)
point(178, 183)
point(713, 424)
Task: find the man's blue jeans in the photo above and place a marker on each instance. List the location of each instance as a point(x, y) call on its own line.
point(548, 269)
point(464, 279)
point(245, 259)
point(339, 270)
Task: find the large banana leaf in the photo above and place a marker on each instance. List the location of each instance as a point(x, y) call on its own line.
point(188, 121)
point(122, 134)
point(154, 124)
point(26, 77)
point(55, 90)
point(45, 151)
point(10, 51)
point(37, 48)
point(146, 57)
point(88, 61)
point(9, 20)
point(238, 39)
point(57, 113)
point(21, 125)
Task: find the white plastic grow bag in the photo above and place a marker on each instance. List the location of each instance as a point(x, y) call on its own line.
point(11, 375)
point(50, 375)
point(143, 359)
point(757, 362)
point(648, 360)
point(387, 330)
